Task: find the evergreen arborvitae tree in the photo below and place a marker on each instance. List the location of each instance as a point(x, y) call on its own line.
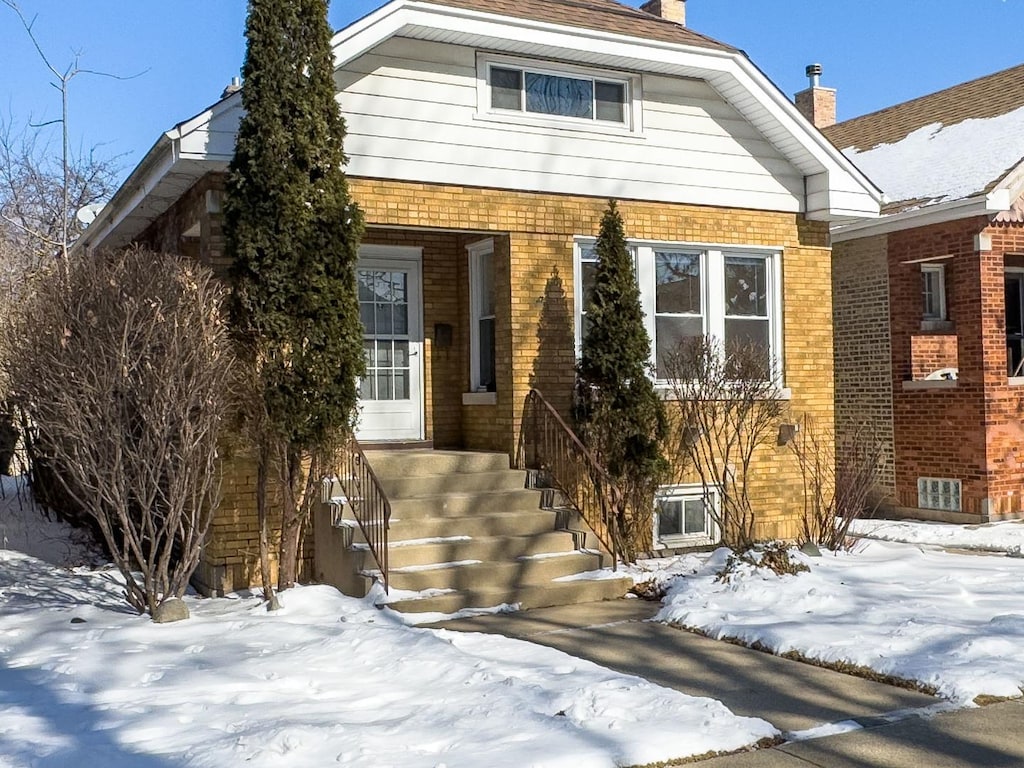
point(293, 233)
point(620, 416)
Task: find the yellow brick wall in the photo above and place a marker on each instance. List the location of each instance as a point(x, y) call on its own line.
point(534, 337)
point(533, 235)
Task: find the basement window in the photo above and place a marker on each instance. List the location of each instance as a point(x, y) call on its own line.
point(940, 493)
point(685, 516)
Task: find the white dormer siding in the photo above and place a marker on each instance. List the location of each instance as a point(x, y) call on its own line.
point(418, 111)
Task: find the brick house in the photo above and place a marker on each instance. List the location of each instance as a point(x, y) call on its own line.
point(485, 138)
point(929, 298)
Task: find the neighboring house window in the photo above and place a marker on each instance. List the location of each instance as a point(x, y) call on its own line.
point(481, 297)
point(562, 92)
point(938, 493)
point(687, 292)
point(685, 516)
point(933, 292)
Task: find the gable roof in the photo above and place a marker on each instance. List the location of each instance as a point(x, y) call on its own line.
point(606, 15)
point(958, 144)
point(590, 32)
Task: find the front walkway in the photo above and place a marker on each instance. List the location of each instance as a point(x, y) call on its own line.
point(889, 729)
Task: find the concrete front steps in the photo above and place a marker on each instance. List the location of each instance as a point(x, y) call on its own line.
point(466, 533)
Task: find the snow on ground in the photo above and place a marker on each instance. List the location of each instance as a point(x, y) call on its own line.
point(955, 622)
point(994, 537)
point(327, 680)
point(24, 527)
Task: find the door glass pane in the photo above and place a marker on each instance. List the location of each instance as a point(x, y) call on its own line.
point(401, 379)
point(401, 354)
point(401, 319)
point(384, 385)
point(399, 287)
point(746, 286)
point(384, 354)
point(383, 320)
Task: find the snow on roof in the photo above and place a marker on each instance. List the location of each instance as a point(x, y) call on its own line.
point(939, 163)
point(941, 147)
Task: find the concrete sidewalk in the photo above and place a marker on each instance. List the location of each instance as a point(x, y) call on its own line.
point(898, 728)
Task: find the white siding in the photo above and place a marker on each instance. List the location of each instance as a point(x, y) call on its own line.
point(411, 112)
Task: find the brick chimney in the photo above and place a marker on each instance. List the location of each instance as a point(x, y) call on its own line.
point(817, 104)
point(672, 10)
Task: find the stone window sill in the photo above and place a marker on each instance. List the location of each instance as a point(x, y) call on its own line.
point(937, 326)
point(919, 384)
point(479, 398)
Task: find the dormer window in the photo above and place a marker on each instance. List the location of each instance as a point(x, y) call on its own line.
point(556, 93)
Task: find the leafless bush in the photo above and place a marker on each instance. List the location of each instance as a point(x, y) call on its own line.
point(726, 408)
point(839, 477)
point(124, 372)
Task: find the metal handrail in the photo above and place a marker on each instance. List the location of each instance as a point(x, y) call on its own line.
point(548, 444)
point(370, 506)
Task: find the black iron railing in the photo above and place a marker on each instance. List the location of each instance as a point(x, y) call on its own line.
point(368, 502)
point(548, 445)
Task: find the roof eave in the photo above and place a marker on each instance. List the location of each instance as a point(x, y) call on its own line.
point(995, 202)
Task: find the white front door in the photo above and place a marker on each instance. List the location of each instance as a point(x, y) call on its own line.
point(391, 393)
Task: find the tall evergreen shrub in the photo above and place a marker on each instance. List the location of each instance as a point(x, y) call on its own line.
point(293, 234)
point(619, 414)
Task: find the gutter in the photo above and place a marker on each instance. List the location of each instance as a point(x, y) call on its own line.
point(995, 202)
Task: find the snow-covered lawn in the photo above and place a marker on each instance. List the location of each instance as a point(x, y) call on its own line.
point(955, 622)
point(329, 680)
point(997, 537)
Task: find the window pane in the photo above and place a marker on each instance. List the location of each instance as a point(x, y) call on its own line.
point(365, 285)
point(555, 95)
point(384, 354)
point(485, 363)
point(694, 519)
point(588, 270)
point(746, 286)
point(485, 277)
point(668, 517)
point(749, 343)
point(506, 88)
point(398, 288)
point(669, 333)
point(678, 288)
point(610, 98)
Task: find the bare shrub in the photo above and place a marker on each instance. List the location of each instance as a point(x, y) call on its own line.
point(839, 477)
point(124, 373)
point(775, 556)
point(726, 408)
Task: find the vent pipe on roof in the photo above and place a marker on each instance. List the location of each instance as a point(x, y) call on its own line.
point(671, 10)
point(234, 86)
point(817, 104)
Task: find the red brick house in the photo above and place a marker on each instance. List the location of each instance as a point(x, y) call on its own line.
point(929, 298)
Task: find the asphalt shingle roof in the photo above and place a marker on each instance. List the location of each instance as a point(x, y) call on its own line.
point(605, 15)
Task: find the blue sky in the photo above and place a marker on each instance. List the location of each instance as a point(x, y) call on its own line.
point(875, 52)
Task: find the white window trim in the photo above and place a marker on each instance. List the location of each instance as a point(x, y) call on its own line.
point(713, 294)
point(922, 493)
point(940, 270)
point(683, 493)
point(632, 126)
point(476, 252)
